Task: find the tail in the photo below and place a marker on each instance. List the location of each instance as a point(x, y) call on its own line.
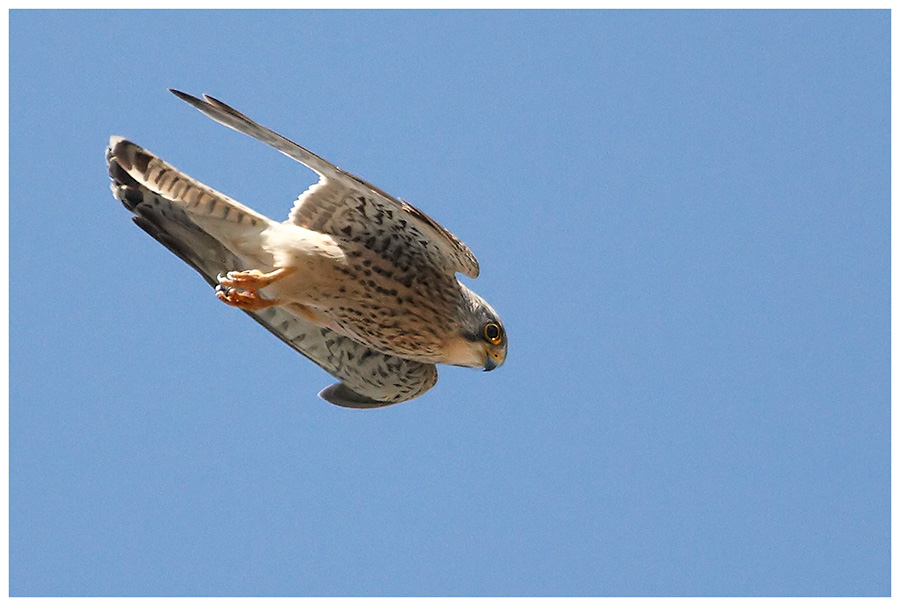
point(132, 167)
point(163, 218)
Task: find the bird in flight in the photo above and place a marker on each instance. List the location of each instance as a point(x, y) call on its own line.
point(358, 281)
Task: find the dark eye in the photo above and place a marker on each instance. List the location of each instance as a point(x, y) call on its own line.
point(493, 333)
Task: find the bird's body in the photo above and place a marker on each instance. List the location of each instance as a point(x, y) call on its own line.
point(355, 291)
point(361, 282)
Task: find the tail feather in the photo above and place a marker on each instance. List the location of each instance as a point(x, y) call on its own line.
point(159, 190)
point(160, 177)
point(170, 224)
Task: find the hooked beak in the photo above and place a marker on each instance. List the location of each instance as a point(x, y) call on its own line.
point(494, 358)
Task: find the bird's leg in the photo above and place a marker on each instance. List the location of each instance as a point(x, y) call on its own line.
point(241, 288)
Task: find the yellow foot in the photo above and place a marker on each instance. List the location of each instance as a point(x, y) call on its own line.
point(247, 300)
point(252, 279)
point(241, 288)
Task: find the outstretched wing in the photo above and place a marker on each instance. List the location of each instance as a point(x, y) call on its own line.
point(368, 378)
point(345, 206)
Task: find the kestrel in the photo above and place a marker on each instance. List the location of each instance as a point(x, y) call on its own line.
point(360, 282)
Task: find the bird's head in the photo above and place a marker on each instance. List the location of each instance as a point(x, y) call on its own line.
point(481, 340)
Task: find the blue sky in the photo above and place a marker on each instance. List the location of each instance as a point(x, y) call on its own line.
point(682, 217)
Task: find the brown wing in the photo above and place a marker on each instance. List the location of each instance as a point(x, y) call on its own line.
point(345, 206)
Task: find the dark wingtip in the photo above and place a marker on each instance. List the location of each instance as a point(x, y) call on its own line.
point(209, 105)
point(341, 395)
point(189, 99)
